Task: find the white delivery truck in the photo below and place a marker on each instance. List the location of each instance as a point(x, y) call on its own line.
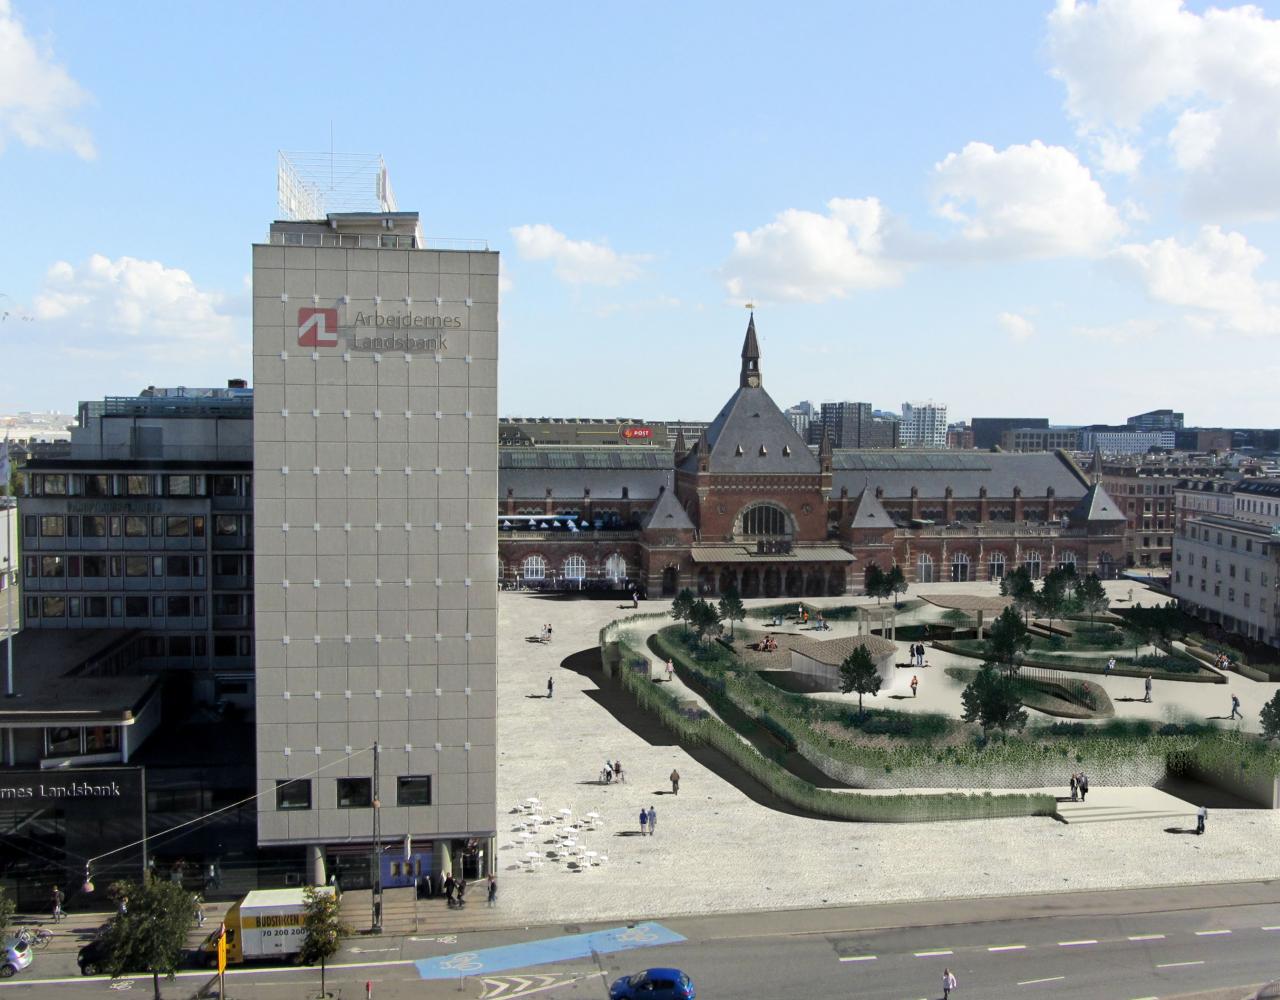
point(267, 923)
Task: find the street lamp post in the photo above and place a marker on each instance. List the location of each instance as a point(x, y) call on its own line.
point(375, 853)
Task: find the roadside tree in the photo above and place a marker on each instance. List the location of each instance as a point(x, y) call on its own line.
point(322, 928)
point(682, 607)
point(993, 701)
point(897, 584)
point(152, 935)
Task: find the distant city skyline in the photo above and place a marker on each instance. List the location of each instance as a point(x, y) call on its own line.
point(1066, 208)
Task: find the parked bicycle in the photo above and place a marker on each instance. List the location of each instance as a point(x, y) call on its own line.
point(35, 937)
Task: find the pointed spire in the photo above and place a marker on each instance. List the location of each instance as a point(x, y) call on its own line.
point(1095, 466)
point(750, 376)
point(824, 451)
point(682, 448)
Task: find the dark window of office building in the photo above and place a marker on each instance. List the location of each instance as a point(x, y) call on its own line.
point(294, 794)
point(413, 790)
point(51, 526)
point(135, 527)
point(136, 607)
point(355, 793)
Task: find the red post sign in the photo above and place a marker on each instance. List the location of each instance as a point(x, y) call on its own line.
point(637, 432)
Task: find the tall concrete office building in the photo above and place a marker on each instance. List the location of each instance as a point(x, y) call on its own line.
point(375, 468)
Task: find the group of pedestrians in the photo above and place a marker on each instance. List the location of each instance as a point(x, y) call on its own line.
point(612, 772)
point(648, 821)
point(1079, 786)
point(916, 650)
point(454, 890)
point(545, 635)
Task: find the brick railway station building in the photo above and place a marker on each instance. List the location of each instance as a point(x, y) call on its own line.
point(749, 505)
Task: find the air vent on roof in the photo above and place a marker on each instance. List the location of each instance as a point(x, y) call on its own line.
point(764, 450)
point(738, 450)
point(786, 451)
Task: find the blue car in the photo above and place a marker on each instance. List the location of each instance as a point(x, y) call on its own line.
point(653, 984)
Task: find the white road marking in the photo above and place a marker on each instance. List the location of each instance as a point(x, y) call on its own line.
point(1033, 982)
point(1178, 965)
point(1210, 933)
point(934, 954)
point(1146, 937)
point(857, 958)
point(1077, 944)
point(370, 951)
point(1008, 947)
point(1275, 927)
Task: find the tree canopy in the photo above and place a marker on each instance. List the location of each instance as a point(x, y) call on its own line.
point(875, 582)
point(858, 673)
point(993, 701)
point(1006, 638)
point(897, 582)
point(1093, 596)
point(705, 620)
point(322, 928)
point(1269, 717)
point(682, 606)
point(732, 608)
point(152, 935)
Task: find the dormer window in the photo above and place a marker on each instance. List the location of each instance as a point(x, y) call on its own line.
point(786, 451)
point(764, 450)
point(738, 451)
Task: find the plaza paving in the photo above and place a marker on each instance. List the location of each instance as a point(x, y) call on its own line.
point(718, 850)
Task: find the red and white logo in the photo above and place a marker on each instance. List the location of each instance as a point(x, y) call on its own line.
point(317, 327)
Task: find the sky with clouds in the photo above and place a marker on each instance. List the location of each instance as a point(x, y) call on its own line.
point(1064, 209)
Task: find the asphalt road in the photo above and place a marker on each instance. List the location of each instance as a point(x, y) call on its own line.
point(1123, 945)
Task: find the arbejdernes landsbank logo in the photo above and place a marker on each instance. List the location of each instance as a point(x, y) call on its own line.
point(395, 332)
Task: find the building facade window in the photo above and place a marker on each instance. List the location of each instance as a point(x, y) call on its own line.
point(534, 568)
point(575, 568)
point(924, 568)
point(960, 568)
point(413, 790)
point(293, 794)
point(615, 567)
point(765, 520)
point(996, 566)
point(355, 793)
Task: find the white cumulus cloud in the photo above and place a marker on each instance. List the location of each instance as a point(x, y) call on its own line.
point(1214, 277)
point(140, 313)
point(577, 262)
point(804, 256)
point(37, 96)
point(1017, 326)
point(1206, 85)
point(1031, 200)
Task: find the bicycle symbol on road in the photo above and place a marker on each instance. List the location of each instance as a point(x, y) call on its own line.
point(121, 984)
point(637, 934)
point(466, 961)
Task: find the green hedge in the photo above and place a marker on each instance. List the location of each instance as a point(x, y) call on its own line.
point(1187, 668)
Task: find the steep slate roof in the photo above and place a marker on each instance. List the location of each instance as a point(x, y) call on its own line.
point(668, 515)
point(964, 471)
point(751, 420)
point(569, 470)
point(1096, 506)
point(869, 512)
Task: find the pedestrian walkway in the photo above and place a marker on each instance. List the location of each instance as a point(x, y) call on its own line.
point(1113, 805)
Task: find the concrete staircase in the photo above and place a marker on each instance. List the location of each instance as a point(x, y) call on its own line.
point(404, 914)
point(1111, 805)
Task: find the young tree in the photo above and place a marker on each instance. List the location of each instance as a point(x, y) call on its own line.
point(682, 606)
point(1017, 583)
point(1006, 638)
point(322, 928)
point(6, 912)
point(993, 701)
point(873, 582)
point(858, 673)
point(1052, 596)
point(896, 584)
point(1270, 718)
point(152, 935)
point(705, 620)
point(1139, 633)
point(1093, 596)
point(732, 608)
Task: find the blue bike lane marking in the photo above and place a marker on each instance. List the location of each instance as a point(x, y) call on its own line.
point(559, 949)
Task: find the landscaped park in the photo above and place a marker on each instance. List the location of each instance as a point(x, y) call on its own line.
point(1022, 690)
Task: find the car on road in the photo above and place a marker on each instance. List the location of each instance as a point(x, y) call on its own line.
point(92, 958)
point(15, 955)
point(653, 984)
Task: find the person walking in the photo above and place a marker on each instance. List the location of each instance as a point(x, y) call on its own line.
point(1084, 786)
point(492, 897)
point(449, 886)
point(653, 821)
point(57, 897)
point(462, 891)
point(551, 687)
point(670, 670)
point(675, 782)
point(1235, 707)
point(618, 774)
point(1075, 788)
point(1202, 814)
point(644, 822)
point(1146, 686)
point(915, 683)
point(1111, 665)
point(635, 600)
point(948, 983)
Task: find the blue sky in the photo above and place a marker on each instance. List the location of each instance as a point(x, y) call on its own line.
point(1061, 209)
